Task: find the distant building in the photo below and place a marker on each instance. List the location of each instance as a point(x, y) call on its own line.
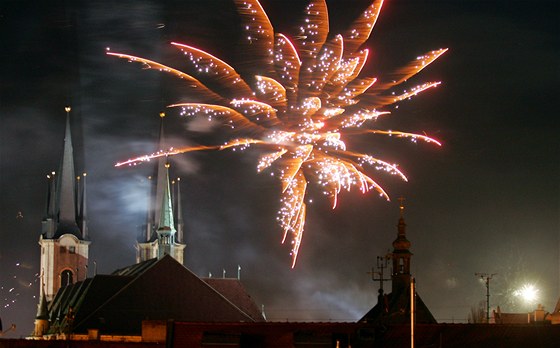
point(539, 316)
point(394, 308)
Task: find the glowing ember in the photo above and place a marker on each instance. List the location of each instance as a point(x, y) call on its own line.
point(306, 99)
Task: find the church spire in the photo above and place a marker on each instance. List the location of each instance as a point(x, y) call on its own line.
point(401, 254)
point(161, 173)
point(63, 240)
point(161, 216)
point(166, 215)
point(67, 207)
point(166, 226)
point(83, 208)
point(49, 221)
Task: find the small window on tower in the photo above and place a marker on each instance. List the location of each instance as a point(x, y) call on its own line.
point(72, 249)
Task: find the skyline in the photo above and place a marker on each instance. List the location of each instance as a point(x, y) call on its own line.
point(472, 197)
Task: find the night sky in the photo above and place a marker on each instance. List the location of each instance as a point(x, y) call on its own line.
point(486, 201)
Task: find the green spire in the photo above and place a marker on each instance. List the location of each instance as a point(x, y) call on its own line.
point(166, 212)
point(166, 229)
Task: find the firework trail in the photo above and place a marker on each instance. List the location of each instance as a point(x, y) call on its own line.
point(307, 98)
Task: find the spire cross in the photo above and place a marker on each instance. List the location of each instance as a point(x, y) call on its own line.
point(401, 205)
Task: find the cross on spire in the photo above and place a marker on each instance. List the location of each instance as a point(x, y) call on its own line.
point(401, 205)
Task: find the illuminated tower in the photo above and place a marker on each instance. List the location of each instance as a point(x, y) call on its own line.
point(64, 238)
point(160, 236)
point(401, 255)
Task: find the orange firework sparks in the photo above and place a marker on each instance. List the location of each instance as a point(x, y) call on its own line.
point(307, 98)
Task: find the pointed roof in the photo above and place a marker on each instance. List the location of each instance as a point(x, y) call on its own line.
point(42, 309)
point(166, 212)
point(83, 208)
point(158, 289)
point(64, 211)
point(51, 195)
point(67, 207)
point(161, 173)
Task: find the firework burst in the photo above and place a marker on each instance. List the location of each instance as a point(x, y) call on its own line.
point(307, 98)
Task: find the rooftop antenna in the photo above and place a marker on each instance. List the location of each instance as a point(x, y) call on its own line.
point(382, 264)
point(486, 277)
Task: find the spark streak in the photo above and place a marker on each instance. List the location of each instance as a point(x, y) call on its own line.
point(306, 100)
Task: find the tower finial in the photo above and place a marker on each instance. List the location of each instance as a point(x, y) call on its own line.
point(401, 205)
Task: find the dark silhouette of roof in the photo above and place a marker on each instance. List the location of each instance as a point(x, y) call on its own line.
point(152, 290)
point(235, 292)
point(394, 308)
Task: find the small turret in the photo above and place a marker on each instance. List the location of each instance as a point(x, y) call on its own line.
point(166, 227)
point(179, 214)
point(83, 208)
point(42, 317)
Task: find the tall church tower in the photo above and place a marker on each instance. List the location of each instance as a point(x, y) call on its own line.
point(64, 239)
point(161, 236)
point(401, 255)
point(395, 307)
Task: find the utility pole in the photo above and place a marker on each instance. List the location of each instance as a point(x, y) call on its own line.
point(486, 277)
